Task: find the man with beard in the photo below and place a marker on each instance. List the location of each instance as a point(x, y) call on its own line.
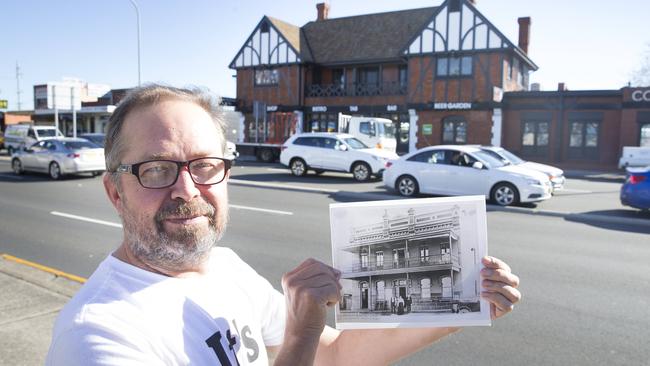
point(169, 296)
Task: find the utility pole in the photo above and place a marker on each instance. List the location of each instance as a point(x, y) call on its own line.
point(18, 92)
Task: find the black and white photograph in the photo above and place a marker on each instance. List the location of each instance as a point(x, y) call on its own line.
point(410, 263)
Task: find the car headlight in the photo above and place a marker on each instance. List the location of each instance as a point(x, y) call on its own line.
point(533, 182)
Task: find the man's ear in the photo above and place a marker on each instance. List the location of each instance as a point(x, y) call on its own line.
point(113, 192)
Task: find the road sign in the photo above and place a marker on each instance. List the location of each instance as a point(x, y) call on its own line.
point(3, 104)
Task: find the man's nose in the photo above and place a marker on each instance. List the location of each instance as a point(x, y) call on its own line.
point(185, 188)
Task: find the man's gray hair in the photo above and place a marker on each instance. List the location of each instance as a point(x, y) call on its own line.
point(152, 94)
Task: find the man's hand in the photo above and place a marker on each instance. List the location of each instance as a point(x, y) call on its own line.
point(500, 286)
point(309, 290)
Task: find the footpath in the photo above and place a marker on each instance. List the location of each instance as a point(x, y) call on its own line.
point(31, 297)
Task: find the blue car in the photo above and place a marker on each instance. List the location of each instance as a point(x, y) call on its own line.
point(636, 190)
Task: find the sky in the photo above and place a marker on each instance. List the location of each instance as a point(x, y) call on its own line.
point(587, 44)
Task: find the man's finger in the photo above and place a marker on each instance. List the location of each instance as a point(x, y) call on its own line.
point(512, 294)
point(500, 275)
point(502, 304)
point(494, 263)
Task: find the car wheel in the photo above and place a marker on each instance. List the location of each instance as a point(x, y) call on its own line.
point(55, 170)
point(10, 150)
point(266, 155)
point(504, 194)
point(407, 186)
point(17, 166)
point(298, 167)
point(361, 171)
point(96, 173)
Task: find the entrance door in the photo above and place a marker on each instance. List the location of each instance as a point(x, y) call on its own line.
point(364, 295)
point(446, 287)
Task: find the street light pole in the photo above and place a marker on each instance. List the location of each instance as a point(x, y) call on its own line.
point(137, 13)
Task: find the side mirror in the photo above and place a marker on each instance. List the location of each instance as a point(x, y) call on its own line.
point(478, 165)
point(343, 147)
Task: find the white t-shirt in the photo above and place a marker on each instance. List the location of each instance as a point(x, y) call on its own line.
point(125, 315)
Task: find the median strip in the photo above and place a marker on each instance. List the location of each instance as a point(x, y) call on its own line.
point(280, 186)
point(47, 269)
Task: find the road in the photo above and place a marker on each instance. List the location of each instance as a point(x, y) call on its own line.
point(585, 283)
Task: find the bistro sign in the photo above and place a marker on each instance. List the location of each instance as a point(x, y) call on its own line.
point(452, 105)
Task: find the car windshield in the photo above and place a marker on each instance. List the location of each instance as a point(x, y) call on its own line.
point(99, 140)
point(385, 130)
point(79, 145)
point(511, 157)
point(489, 159)
point(47, 133)
point(355, 143)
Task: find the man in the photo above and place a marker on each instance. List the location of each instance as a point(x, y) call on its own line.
point(167, 295)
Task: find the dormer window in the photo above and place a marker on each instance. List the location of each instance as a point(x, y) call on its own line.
point(454, 66)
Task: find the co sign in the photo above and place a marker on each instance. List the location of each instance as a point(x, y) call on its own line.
point(641, 95)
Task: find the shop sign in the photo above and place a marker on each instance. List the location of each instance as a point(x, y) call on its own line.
point(271, 108)
point(354, 108)
point(3, 104)
point(641, 95)
point(452, 105)
point(319, 108)
point(391, 107)
point(427, 129)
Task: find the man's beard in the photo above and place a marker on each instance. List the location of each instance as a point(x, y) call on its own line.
point(183, 249)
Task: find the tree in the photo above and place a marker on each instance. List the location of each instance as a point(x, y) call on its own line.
point(641, 77)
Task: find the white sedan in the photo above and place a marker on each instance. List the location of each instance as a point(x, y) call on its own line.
point(465, 170)
point(556, 175)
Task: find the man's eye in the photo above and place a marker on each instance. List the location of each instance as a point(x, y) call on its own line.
point(156, 169)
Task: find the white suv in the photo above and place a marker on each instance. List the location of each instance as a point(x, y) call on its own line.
point(323, 151)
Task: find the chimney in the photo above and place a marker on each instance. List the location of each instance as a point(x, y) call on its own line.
point(524, 33)
point(561, 87)
point(323, 11)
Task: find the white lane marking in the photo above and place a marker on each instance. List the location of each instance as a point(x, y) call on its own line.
point(261, 210)
point(87, 219)
point(114, 224)
point(277, 170)
point(573, 190)
point(282, 185)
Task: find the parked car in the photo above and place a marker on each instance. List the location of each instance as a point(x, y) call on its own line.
point(321, 151)
point(556, 175)
point(231, 150)
point(97, 138)
point(59, 157)
point(465, 170)
point(635, 192)
point(634, 156)
point(21, 135)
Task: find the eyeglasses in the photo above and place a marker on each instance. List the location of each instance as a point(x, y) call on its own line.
point(164, 173)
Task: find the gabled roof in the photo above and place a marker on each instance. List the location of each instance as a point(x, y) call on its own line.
point(290, 32)
point(363, 38)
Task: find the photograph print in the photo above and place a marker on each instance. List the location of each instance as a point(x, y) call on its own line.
point(410, 263)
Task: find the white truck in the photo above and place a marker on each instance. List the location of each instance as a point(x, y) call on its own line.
point(23, 135)
point(264, 136)
point(634, 156)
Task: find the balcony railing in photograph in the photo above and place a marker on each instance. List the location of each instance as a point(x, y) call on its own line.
point(415, 262)
point(355, 89)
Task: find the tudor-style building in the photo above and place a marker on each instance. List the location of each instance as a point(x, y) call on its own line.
point(443, 74)
point(415, 256)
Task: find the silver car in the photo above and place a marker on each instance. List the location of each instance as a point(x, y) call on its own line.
point(59, 157)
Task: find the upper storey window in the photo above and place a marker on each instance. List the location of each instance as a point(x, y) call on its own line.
point(266, 77)
point(454, 66)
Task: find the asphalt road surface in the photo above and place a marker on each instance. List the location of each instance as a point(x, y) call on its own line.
point(585, 284)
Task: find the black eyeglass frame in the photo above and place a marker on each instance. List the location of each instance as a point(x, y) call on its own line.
point(134, 170)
